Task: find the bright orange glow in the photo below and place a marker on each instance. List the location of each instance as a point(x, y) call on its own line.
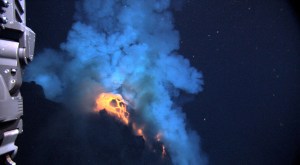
point(114, 105)
point(138, 131)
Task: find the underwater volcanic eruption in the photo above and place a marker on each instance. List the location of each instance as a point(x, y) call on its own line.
point(128, 47)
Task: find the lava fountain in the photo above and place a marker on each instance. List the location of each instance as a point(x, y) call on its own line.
point(114, 105)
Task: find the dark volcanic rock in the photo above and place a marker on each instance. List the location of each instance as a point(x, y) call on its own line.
point(55, 135)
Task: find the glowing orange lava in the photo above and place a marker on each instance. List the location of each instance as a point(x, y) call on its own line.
point(138, 131)
point(114, 105)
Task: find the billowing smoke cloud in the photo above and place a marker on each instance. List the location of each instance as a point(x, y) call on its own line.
point(127, 47)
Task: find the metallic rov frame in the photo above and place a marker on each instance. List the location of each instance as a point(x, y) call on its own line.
point(16, 51)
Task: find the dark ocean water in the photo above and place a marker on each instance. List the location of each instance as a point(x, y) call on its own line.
point(247, 114)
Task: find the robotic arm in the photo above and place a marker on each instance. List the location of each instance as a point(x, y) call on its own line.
point(16, 51)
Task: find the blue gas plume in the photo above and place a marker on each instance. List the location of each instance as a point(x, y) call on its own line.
point(127, 47)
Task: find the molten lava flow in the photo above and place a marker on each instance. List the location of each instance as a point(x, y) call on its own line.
point(114, 104)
